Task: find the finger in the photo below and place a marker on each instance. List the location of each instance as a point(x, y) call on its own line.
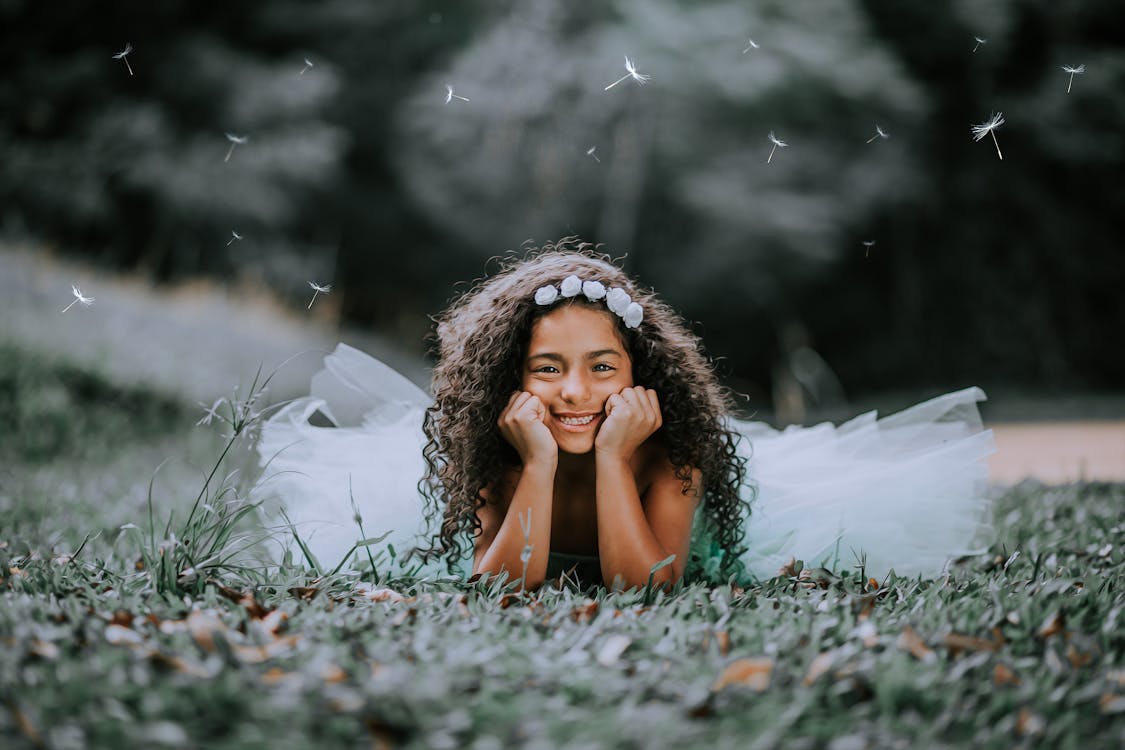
point(653, 401)
point(535, 407)
point(613, 402)
point(515, 405)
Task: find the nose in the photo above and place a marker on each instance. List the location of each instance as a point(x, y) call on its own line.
point(575, 389)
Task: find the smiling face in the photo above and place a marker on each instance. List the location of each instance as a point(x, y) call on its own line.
point(576, 360)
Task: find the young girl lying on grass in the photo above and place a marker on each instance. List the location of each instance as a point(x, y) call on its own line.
point(576, 427)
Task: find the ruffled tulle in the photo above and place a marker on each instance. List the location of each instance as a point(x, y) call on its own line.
point(906, 492)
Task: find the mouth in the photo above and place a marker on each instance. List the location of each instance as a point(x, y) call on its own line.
point(576, 422)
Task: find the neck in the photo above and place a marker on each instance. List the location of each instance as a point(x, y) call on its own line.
point(575, 465)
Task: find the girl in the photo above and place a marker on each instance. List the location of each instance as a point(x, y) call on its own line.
point(576, 427)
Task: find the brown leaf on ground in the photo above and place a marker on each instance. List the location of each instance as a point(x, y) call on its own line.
point(271, 650)
point(304, 593)
point(203, 625)
point(184, 665)
point(1002, 675)
point(957, 643)
point(43, 649)
point(1112, 703)
point(244, 598)
point(380, 594)
point(910, 641)
point(333, 674)
point(410, 613)
point(122, 617)
point(1053, 625)
point(119, 635)
point(585, 611)
point(820, 664)
point(1080, 654)
point(1029, 723)
point(751, 672)
point(723, 639)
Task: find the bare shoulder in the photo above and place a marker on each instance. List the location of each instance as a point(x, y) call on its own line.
point(657, 472)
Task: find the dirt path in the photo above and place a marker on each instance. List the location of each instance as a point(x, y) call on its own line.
point(1058, 452)
point(200, 340)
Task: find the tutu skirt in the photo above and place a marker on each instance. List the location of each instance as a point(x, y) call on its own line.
point(906, 492)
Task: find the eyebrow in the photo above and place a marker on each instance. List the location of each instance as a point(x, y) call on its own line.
point(559, 358)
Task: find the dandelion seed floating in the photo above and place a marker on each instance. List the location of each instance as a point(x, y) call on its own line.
point(868, 244)
point(317, 289)
point(450, 96)
point(1074, 71)
point(123, 55)
point(986, 128)
point(777, 143)
point(308, 64)
point(86, 301)
point(981, 41)
point(631, 72)
point(234, 237)
point(235, 140)
point(752, 45)
point(590, 152)
point(879, 133)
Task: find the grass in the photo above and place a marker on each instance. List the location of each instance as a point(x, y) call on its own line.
point(171, 634)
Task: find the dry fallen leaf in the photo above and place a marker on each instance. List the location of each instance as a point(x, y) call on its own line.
point(751, 672)
point(43, 649)
point(957, 642)
point(259, 654)
point(1029, 723)
point(1053, 625)
point(380, 594)
point(119, 635)
point(1002, 675)
point(1111, 703)
point(585, 611)
point(820, 664)
point(911, 642)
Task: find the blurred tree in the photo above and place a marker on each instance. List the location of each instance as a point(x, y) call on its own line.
point(130, 166)
point(681, 180)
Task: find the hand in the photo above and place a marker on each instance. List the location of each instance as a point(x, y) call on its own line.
point(521, 424)
point(631, 417)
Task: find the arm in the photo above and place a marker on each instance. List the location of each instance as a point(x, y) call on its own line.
point(502, 539)
point(633, 536)
point(638, 535)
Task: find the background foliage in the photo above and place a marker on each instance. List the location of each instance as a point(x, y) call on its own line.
point(357, 171)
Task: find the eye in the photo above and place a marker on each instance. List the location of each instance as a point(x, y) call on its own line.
point(603, 367)
point(548, 369)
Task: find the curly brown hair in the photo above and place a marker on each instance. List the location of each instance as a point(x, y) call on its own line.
point(481, 343)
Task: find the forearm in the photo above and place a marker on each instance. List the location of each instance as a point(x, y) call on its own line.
point(627, 546)
point(533, 499)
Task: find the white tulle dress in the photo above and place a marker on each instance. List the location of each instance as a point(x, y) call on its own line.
point(907, 492)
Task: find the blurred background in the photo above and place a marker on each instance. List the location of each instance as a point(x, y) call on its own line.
point(199, 168)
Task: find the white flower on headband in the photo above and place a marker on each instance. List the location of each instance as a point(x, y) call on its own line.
point(545, 295)
point(594, 290)
point(571, 286)
point(633, 315)
point(618, 300)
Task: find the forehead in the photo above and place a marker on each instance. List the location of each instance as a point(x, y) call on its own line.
point(575, 329)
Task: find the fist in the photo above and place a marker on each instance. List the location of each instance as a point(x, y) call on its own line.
point(631, 417)
point(521, 424)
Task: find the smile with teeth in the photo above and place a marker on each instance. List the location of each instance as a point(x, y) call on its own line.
point(577, 421)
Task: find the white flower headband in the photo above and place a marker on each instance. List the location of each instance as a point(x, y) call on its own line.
point(617, 299)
